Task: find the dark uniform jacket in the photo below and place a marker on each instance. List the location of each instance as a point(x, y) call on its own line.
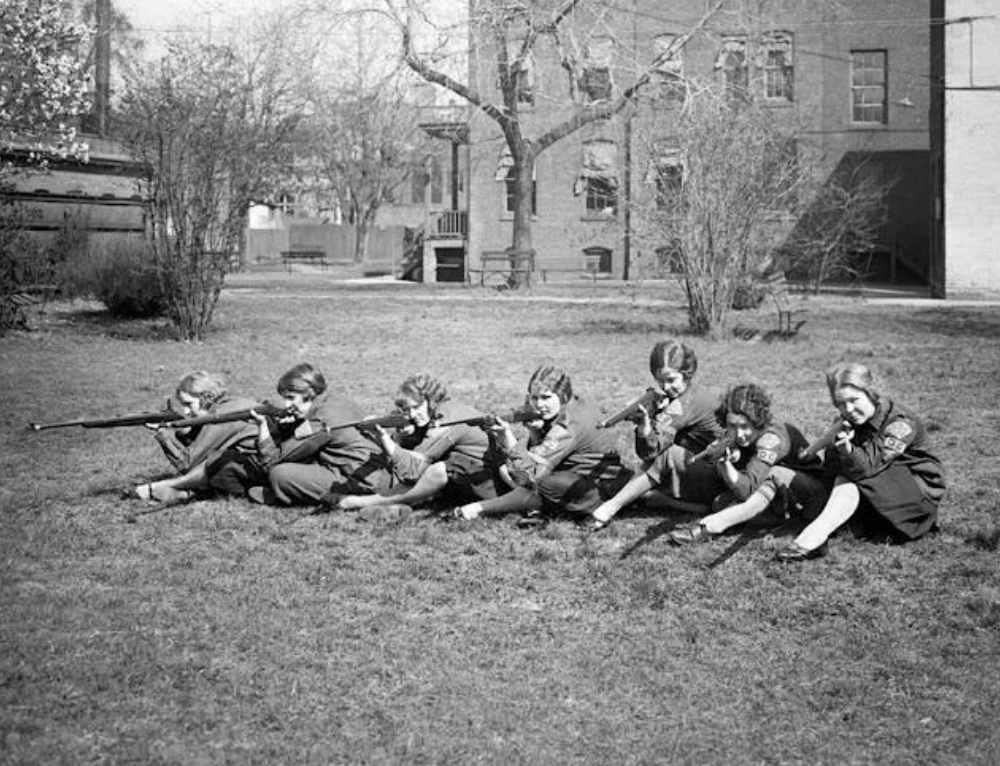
point(778, 444)
point(202, 444)
point(569, 442)
point(688, 421)
point(893, 435)
point(308, 441)
point(422, 447)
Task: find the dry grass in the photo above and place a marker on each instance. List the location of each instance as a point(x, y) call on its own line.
point(220, 632)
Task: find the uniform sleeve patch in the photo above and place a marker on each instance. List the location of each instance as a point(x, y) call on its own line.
point(899, 429)
point(769, 441)
point(768, 456)
point(894, 445)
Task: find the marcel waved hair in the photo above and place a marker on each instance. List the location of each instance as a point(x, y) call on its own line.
point(855, 375)
point(205, 386)
point(302, 379)
point(675, 355)
point(418, 388)
point(749, 400)
point(551, 378)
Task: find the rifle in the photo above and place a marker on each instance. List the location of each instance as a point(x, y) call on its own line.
point(716, 449)
point(485, 421)
point(827, 439)
point(650, 398)
point(265, 408)
point(164, 417)
point(396, 420)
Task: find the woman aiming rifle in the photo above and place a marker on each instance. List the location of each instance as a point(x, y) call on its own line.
point(190, 450)
point(682, 424)
point(566, 466)
point(882, 469)
point(763, 463)
point(443, 449)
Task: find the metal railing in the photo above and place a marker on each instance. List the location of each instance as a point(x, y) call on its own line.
point(449, 223)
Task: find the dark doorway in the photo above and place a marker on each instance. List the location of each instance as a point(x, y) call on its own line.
point(450, 264)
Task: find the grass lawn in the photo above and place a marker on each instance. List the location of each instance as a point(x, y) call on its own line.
point(219, 632)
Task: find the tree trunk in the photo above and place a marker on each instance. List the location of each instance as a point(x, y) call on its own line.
point(521, 235)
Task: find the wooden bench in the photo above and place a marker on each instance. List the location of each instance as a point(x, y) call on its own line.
point(789, 320)
point(585, 268)
point(288, 257)
point(501, 268)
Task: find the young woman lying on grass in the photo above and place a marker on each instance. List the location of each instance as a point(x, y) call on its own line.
point(430, 459)
point(760, 465)
point(190, 450)
point(567, 465)
point(883, 470)
point(683, 424)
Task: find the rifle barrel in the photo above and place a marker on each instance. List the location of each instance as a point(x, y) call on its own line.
point(826, 439)
point(650, 396)
point(164, 416)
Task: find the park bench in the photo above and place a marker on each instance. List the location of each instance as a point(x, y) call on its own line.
point(583, 267)
point(789, 318)
point(288, 257)
point(501, 268)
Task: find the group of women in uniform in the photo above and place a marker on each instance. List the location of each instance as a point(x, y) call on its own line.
point(725, 460)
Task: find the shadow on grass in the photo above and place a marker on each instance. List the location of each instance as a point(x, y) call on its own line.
point(98, 322)
point(971, 323)
point(615, 327)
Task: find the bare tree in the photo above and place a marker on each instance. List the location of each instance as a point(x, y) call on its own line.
point(212, 129)
point(735, 192)
point(508, 36)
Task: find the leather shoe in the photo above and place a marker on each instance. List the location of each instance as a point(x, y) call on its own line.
point(685, 534)
point(795, 552)
point(329, 502)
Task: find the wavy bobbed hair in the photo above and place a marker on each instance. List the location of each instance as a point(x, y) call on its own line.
point(675, 355)
point(855, 375)
point(302, 379)
point(206, 387)
point(419, 388)
point(749, 400)
point(551, 378)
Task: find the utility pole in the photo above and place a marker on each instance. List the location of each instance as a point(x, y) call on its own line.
point(102, 67)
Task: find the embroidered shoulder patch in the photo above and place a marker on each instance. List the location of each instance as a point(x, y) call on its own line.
point(894, 445)
point(768, 441)
point(900, 429)
point(768, 456)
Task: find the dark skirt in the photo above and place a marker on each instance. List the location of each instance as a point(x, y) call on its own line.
point(895, 498)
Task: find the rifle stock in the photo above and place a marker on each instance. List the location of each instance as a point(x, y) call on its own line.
point(715, 450)
point(827, 439)
point(486, 420)
point(265, 408)
point(396, 420)
point(164, 417)
point(651, 397)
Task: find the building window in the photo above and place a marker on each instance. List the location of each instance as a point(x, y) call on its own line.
point(602, 196)
point(776, 61)
point(667, 176)
point(596, 79)
point(868, 91)
point(598, 178)
point(732, 63)
point(509, 192)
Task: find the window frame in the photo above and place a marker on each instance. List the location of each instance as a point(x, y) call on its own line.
point(861, 58)
point(593, 195)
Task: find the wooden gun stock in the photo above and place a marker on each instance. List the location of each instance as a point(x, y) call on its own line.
point(828, 438)
point(650, 398)
point(395, 420)
point(164, 417)
point(485, 421)
point(265, 408)
point(715, 450)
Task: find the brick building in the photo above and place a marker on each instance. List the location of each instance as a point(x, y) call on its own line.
point(856, 73)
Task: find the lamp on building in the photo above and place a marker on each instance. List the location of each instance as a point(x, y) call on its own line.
point(906, 101)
